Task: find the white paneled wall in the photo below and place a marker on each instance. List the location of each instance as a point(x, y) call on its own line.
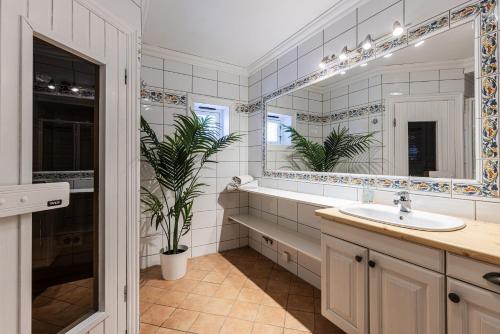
point(211, 231)
point(106, 35)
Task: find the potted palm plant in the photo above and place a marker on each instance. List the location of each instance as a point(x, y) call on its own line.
point(337, 146)
point(176, 162)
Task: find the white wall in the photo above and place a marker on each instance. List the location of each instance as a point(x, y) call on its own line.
point(211, 231)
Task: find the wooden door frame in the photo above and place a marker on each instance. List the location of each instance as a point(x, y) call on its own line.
point(130, 122)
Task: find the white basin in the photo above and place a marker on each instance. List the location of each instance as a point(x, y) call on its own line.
point(415, 219)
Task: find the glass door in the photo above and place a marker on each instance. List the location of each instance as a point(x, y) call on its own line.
point(65, 149)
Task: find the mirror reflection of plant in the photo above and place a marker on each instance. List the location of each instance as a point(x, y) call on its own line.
point(176, 162)
point(338, 145)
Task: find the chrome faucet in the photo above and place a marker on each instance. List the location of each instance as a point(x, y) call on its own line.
point(402, 198)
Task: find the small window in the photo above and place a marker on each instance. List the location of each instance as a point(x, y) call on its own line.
point(218, 115)
point(276, 129)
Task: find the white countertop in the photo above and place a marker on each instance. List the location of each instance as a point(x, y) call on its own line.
point(299, 197)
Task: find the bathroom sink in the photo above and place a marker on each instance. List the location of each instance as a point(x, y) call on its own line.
point(415, 219)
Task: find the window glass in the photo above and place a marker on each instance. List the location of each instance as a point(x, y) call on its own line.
point(218, 116)
point(277, 125)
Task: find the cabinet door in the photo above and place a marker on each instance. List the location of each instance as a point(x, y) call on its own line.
point(344, 283)
point(404, 298)
point(472, 310)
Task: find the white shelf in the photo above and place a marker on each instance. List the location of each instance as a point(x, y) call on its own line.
point(304, 243)
point(300, 197)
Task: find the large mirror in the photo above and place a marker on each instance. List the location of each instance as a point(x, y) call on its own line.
point(407, 113)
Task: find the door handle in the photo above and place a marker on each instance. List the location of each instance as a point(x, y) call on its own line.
point(358, 258)
point(454, 297)
point(371, 264)
point(492, 278)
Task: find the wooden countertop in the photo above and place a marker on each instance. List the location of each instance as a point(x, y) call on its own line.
point(478, 240)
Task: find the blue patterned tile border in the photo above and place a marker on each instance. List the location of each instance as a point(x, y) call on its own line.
point(431, 186)
point(157, 95)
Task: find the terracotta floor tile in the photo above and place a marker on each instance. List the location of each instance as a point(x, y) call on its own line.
point(157, 314)
point(206, 289)
point(250, 295)
point(218, 306)
point(271, 316)
point(215, 277)
point(301, 288)
point(256, 283)
point(236, 326)
point(148, 329)
point(294, 331)
point(169, 331)
point(57, 290)
point(301, 303)
point(185, 285)
point(227, 292)
point(49, 312)
point(266, 329)
point(194, 302)
point(150, 294)
point(181, 319)
point(324, 326)
point(303, 321)
point(39, 327)
point(278, 285)
point(171, 298)
point(207, 324)
point(236, 281)
point(276, 299)
point(244, 310)
point(161, 283)
point(144, 306)
point(196, 274)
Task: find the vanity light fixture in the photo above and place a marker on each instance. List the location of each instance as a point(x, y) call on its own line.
point(367, 42)
point(342, 72)
point(51, 85)
point(75, 89)
point(364, 64)
point(396, 93)
point(343, 54)
point(389, 55)
point(397, 29)
point(419, 43)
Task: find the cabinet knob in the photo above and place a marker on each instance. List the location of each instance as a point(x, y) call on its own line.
point(358, 258)
point(371, 263)
point(454, 297)
point(492, 278)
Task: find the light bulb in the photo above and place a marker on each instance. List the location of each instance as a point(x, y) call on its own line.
point(51, 87)
point(419, 43)
point(397, 29)
point(75, 89)
point(343, 72)
point(389, 55)
point(364, 64)
point(322, 65)
point(343, 54)
point(367, 42)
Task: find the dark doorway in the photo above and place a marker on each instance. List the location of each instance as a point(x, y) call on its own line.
point(65, 149)
point(421, 148)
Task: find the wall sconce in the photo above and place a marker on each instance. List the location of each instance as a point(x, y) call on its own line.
point(51, 85)
point(397, 29)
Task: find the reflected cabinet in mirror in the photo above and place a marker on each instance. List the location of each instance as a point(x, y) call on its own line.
point(408, 113)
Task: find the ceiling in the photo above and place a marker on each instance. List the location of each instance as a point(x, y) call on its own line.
point(229, 31)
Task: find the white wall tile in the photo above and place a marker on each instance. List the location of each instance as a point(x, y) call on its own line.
point(310, 62)
point(373, 7)
point(488, 211)
point(335, 46)
point(287, 58)
point(175, 81)
point(340, 192)
point(380, 24)
point(310, 188)
point(177, 67)
point(228, 91)
point(425, 87)
point(312, 43)
point(424, 75)
point(287, 209)
point(204, 86)
point(254, 91)
point(448, 86)
point(254, 78)
point(152, 77)
point(287, 74)
point(269, 84)
point(204, 219)
point(338, 27)
point(394, 77)
point(228, 77)
point(307, 216)
point(203, 72)
point(450, 74)
point(269, 69)
point(150, 61)
point(454, 207)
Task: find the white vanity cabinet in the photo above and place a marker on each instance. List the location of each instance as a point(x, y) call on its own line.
point(344, 284)
point(472, 310)
point(404, 298)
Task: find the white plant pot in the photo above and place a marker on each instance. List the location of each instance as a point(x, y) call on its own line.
point(174, 266)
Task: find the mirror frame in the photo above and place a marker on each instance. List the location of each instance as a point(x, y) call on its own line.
point(485, 185)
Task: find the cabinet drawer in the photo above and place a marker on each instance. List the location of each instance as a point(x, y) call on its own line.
point(424, 256)
point(472, 271)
